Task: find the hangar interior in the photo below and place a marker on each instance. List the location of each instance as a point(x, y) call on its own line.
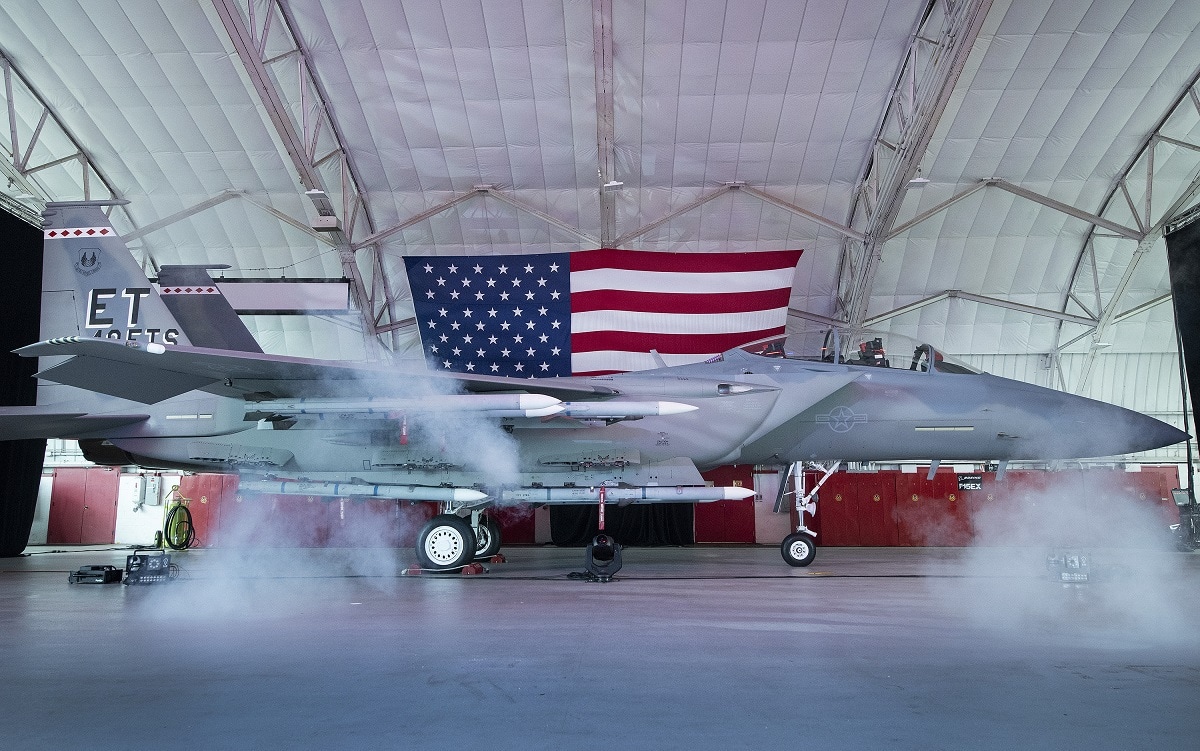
point(990, 177)
point(993, 177)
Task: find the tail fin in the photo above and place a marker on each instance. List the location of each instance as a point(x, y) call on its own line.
point(89, 271)
point(208, 319)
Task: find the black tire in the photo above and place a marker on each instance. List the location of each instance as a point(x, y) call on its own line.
point(799, 549)
point(445, 542)
point(487, 537)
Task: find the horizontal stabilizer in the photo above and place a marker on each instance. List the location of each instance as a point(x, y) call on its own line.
point(19, 423)
point(127, 380)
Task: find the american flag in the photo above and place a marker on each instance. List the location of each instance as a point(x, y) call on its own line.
point(594, 311)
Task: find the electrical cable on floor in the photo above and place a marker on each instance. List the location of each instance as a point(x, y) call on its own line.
point(178, 531)
point(87, 550)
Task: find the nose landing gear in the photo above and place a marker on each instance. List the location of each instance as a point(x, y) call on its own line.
point(800, 547)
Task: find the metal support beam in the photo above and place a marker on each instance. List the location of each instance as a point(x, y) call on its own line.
point(384, 234)
point(1139, 309)
point(609, 186)
point(249, 33)
point(919, 97)
point(816, 318)
point(1030, 309)
point(520, 205)
point(26, 196)
point(937, 209)
point(1088, 217)
point(982, 300)
point(841, 229)
point(179, 216)
point(875, 320)
point(648, 228)
point(1143, 159)
point(757, 193)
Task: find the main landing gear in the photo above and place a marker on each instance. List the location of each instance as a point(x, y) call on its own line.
point(449, 541)
point(800, 547)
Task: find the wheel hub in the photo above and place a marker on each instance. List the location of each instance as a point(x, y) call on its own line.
point(443, 545)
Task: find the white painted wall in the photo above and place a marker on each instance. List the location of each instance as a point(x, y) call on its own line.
point(139, 509)
point(139, 513)
point(769, 527)
point(41, 512)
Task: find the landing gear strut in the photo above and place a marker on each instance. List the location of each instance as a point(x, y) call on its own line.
point(800, 547)
point(487, 536)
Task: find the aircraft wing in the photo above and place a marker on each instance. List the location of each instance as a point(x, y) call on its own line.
point(150, 373)
point(18, 423)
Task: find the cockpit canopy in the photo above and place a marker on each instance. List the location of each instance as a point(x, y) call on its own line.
point(868, 348)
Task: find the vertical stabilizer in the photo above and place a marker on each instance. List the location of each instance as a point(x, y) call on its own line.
point(89, 274)
point(207, 317)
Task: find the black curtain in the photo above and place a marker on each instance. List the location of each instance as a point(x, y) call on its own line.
point(20, 461)
point(636, 525)
point(1183, 261)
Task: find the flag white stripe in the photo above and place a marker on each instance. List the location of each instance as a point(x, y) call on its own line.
point(587, 362)
point(681, 282)
point(676, 323)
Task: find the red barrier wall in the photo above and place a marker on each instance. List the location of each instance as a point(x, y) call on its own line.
point(727, 521)
point(1078, 506)
point(83, 506)
point(883, 508)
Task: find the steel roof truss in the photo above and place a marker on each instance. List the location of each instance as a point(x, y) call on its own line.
point(250, 35)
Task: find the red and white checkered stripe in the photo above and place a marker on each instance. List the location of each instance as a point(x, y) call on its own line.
point(208, 290)
point(58, 234)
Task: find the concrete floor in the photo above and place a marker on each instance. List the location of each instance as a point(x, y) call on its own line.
point(690, 648)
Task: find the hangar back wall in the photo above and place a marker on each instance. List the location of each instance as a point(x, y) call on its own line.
point(884, 508)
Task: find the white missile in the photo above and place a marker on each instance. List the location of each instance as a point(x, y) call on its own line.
point(496, 405)
point(362, 489)
point(621, 496)
point(625, 409)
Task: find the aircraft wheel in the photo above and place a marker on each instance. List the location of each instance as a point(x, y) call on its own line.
point(487, 537)
point(445, 542)
point(799, 549)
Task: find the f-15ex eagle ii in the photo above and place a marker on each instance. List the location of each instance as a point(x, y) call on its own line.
point(142, 376)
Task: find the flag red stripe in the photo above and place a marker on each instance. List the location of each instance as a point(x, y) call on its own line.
point(717, 263)
point(666, 344)
point(671, 302)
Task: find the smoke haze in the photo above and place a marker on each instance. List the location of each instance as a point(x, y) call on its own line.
point(1003, 583)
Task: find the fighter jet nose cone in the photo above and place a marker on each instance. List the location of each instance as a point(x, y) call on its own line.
point(1166, 435)
point(1146, 433)
point(1103, 430)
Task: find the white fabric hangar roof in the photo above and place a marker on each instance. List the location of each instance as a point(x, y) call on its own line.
point(1056, 138)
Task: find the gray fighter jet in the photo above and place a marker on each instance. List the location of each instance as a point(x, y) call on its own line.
point(167, 377)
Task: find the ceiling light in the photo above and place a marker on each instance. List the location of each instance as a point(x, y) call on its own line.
point(918, 181)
